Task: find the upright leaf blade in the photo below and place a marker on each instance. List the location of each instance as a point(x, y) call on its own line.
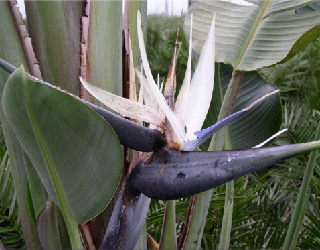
point(11, 50)
point(54, 27)
point(103, 60)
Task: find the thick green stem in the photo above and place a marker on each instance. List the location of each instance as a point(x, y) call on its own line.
point(228, 208)
point(227, 217)
point(298, 212)
point(218, 140)
point(169, 234)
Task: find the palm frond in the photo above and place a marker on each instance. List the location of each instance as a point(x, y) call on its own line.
point(10, 228)
point(298, 78)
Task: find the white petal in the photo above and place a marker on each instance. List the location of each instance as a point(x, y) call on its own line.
point(147, 95)
point(172, 118)
point(181, 105)
point(201, 87)
point(270, 138)
point(125, 107)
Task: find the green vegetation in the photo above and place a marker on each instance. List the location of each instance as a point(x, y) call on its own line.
point(263, 200)
point(65, 164)
point(161, 39)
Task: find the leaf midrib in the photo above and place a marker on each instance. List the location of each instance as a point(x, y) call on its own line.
point(253, 32)
point(65, 207)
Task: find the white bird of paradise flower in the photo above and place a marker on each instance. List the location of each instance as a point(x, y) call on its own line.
point(185, 118)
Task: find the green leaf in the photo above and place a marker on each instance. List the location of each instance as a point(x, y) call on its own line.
point(256, 125)
point(227, 217)
point(55, 30)
point(130, 23)
point(263, 34)
point(75, 152)
point(19, 177)
point(11, 50)
point(169, 234)
point(300, 206)
point(37, 196)
point(48, 227)
point(104, 46)
point(302, 42)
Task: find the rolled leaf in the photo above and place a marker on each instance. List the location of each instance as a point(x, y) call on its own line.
point(176, 174)
point(126, 223)
point(48, 225)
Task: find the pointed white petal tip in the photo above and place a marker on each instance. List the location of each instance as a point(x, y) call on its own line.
point(270, 138)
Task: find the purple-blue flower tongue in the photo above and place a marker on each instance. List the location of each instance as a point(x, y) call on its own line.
point(206, 133)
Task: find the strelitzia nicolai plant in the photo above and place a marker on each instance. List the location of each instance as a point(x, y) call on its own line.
point(128, 214)
point(162, 177)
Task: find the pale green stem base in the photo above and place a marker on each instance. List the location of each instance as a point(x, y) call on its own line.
point(169, 234)
point(227, 217)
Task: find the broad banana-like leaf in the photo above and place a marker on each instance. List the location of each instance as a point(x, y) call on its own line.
point(37, 195)
point(251, 34)
point(256, 125)
point(130, 134)
point(74, 151)
point(12, 51)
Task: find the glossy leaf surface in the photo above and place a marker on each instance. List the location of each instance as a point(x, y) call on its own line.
point(11, 50)
point(254, 126)
point(75, 152)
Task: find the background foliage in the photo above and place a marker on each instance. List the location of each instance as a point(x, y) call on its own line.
point(263, 200)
